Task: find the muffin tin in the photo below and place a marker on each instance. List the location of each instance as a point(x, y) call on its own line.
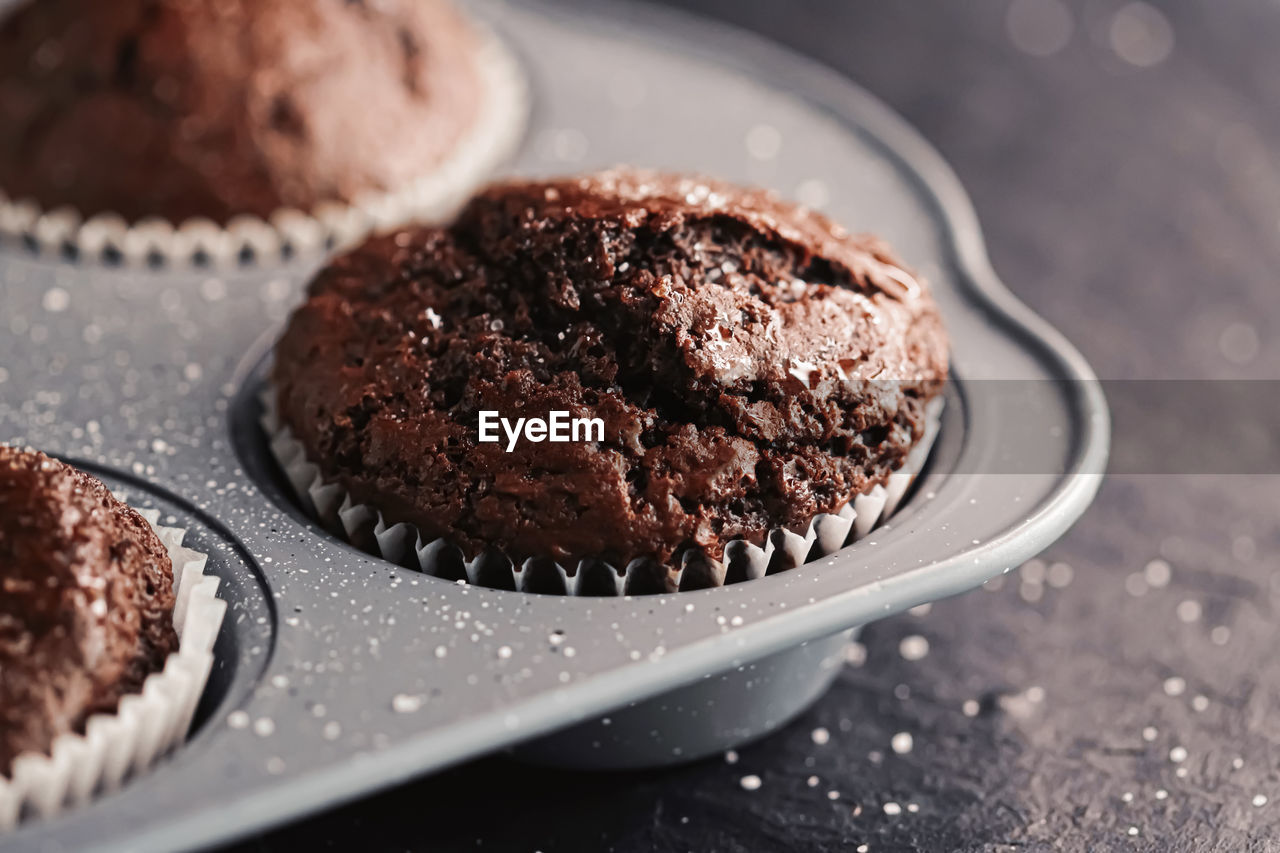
point(338, 673)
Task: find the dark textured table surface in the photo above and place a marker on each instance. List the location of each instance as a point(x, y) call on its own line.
point(1122, 692)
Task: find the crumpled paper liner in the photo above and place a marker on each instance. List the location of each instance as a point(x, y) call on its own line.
point(146, 724)
point(363, 526)
point(247, 239)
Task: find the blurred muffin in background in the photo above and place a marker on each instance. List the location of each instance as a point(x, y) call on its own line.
point(185, 109)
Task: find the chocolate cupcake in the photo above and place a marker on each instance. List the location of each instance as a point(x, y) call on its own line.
point(738, 365)
point(221, 109)
point(87, 607)
point(107, 630)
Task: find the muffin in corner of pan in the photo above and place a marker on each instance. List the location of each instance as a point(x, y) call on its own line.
point(86, 601)
point(753, 365)
point(214, 108)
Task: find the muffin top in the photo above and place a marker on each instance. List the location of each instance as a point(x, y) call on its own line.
point(86, 601)
point(753, 365)
point(186, 108)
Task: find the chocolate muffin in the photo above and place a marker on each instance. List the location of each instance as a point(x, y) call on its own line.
point(86, 601)
point(212, 108)
point(753, 364)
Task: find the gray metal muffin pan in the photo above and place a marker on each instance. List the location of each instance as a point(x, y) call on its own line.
point(338, 673)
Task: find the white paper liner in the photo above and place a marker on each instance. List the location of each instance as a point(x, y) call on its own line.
point(404, 544)
point(146, 724)
point(106, 237)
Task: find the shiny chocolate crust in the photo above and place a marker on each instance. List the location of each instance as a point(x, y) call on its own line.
point(86, 601)
point(754, 364)
point(212, 108)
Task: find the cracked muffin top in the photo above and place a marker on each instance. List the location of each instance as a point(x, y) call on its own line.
point(753, 363)
point(212, 108)
point(86, 601)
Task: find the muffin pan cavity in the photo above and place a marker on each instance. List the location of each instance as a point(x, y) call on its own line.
point(376, 674)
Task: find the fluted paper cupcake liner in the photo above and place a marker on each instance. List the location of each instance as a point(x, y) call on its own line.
point(107, 237)
point(404, 544)
point(145, 725)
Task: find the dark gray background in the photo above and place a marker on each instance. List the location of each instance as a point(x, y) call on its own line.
point(1122, 692)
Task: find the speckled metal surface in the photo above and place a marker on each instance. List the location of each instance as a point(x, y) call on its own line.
point(342, 673)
